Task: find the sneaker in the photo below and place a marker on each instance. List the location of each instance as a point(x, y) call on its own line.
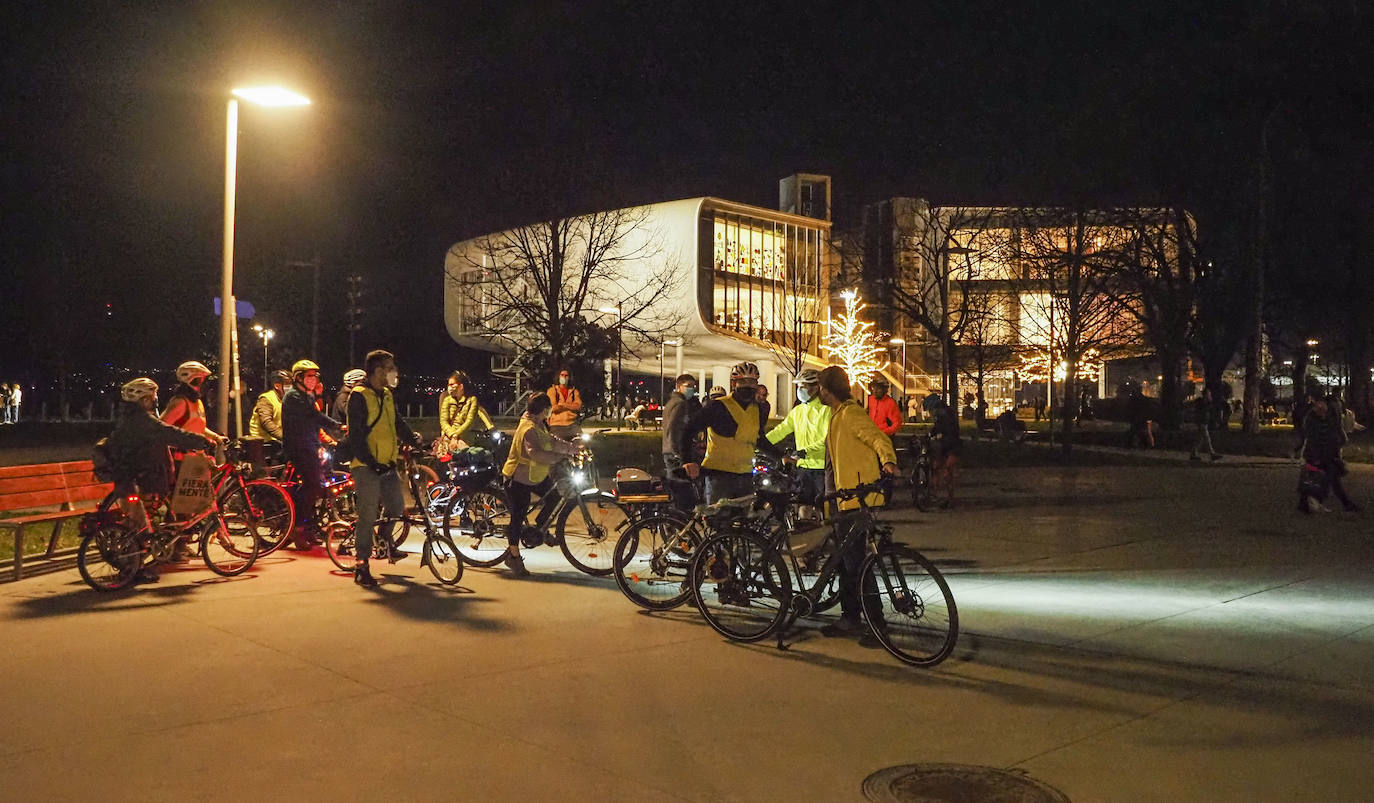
point(364, 578)
point(147, 575)
point(395, 554)
point(842, 628)
point(516, 564)
point(870, 640)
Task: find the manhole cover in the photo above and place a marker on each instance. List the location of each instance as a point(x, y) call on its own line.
point(957, 783)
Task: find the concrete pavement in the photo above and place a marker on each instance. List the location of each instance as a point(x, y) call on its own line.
point(1147, 633)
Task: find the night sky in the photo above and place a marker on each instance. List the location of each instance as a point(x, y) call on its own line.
point(432, 123)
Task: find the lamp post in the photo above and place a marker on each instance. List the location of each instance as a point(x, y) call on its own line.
point(897, 341)
point(619, 310)
point(228, 350)
point(662, 391)
point(266, 335)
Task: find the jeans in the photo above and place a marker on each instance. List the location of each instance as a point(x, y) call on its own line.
point(518, 496)
point(811, 485)
point(309, 486)
point(851, 561)
point(681, 491)
point(370, 490)
point(1204, 441)
point(725, 485)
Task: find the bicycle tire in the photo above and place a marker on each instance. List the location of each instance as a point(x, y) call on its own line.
point(588, 540)
point(921, 492)
point(276, 514)
point(483, 543)
point(910, 609)
point(227, 552)
point(443, 559)
point(113, 546)
point(339, 545)
point(651, 571)
point(732, 575)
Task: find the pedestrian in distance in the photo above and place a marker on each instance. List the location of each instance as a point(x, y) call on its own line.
point(1204, 409)
point(1321, 452)
point(5, 404)
point(882, 408)
point(567, 407)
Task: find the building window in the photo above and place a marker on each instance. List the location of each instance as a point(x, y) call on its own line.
point(759, 277)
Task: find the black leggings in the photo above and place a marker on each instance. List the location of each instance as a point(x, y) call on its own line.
point(518, 496)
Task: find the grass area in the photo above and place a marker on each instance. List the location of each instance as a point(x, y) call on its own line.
point(36, 537)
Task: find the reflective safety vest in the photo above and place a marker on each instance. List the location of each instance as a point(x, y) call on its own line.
point(255, 430)
point(735, 455)
point(381, 414)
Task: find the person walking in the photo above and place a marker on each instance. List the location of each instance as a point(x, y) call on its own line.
point(16, 397)
point(1138, 416)
point(946, 443)
point(5, 404)
point(301, 422)
point(533, 451)
point(1323, 439)
point(1204, 409)
point(808, 422)
point(734, 428)
point(882, 408)
point(376, 432)
point(567, 405)
point(858, 453)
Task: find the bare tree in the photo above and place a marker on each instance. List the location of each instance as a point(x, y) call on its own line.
point(534, 289)
point(986, 340)
point(1071, 300)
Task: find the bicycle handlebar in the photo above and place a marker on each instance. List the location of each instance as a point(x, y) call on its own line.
point(859, 491)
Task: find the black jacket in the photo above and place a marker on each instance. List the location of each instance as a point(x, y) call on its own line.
point(676, 413)
point(138, 448)
point(717, 417)
point(301, 422)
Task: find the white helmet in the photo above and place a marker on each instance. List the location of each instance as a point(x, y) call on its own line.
point(138, 389)
point(354, 376)
point(190, 370)
point(808, 376)
point(744, 370)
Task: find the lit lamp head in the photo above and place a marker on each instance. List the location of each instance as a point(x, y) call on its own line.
point(271, 96)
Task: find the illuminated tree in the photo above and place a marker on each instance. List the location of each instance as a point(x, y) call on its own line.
point(854, 343)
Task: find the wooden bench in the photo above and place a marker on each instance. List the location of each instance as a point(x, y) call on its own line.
point(71, 488)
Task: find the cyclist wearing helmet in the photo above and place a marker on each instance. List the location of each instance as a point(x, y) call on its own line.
point(808, 423)
point(301, 423)
point(734, 428)
point(186, 410)
point(138, 451)
point(882, 408)
point(264, 426)
point(350, 378)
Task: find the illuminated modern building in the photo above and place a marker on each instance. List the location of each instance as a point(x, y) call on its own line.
point(750, 283)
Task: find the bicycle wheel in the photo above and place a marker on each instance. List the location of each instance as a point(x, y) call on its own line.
point(476, 523)
point(442, 558)
point(921, 478)
point(275, 514)
point(653, 560)
point(400, 530)
point(810, 567)
point(228, 552)
point(339, 545)
point(588, 530)
point(741, 587)
point(909, 606)
point(109, 557)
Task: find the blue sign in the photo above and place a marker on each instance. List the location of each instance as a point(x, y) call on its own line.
point(242, 309)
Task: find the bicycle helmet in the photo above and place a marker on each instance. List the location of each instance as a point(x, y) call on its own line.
point(301, 366)
point(281, 378)
point(808, 376)
point(138, 389)
point(744, 370)
point(190, 370)
point(717, 392)
point(354, 376)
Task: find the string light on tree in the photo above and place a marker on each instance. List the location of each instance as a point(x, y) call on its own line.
point(854, 343)
point(1035, 367)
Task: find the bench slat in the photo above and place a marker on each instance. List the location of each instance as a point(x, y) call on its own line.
point(42, 469)
point(60, 496)
point(37, 517)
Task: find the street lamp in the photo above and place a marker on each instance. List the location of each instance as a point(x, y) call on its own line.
point(228, 349)
point(266, 335)
point(897, 341)
point(619, 310)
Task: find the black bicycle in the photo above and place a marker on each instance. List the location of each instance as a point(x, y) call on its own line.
point(922, 477)
point(742, 585)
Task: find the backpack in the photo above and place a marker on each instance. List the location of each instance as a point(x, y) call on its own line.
point(102, 461)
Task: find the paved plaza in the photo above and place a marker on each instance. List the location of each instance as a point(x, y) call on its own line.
point(1171, 632)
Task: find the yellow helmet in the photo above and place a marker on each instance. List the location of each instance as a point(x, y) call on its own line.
point(302, 366)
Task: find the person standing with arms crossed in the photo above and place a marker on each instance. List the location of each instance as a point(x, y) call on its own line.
point(567, 404)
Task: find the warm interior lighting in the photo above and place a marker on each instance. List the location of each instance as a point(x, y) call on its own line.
point(271, 96)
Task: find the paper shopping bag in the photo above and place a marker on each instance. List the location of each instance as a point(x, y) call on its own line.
point(194, 492)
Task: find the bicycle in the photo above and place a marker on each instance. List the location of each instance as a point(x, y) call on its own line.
point(113, 551)
point(742, 586)
point(262, 503)
point(438, 552)
point(922, 476)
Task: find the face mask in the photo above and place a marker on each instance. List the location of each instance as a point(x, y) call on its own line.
point(392, 379)
point(803, 396)
point(689, 393)
point(562, 380)
point(746, 394)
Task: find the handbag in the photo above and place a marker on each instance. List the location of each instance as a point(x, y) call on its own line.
point(194, 493)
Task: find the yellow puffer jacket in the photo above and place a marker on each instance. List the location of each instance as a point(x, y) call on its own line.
point(857, 449)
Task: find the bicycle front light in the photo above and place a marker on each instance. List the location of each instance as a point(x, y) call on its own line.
point(579, 478)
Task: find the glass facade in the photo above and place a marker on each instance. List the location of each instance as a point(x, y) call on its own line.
point(759, 278)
